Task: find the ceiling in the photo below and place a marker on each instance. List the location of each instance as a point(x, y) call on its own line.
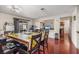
point(33, 11)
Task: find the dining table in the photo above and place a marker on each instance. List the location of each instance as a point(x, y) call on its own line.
point(24, 38)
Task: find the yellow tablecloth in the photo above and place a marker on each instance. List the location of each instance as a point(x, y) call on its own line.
point(28, 37)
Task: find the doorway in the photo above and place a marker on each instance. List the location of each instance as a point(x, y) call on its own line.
point(65, 26)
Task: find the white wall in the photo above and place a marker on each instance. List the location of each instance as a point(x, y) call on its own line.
point(7, 18)
point(57, 26)
point(74, 33)
point(66, 25)
point(74, 28)
point(77, 27)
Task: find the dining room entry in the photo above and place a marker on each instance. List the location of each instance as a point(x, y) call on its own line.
point(64, 26)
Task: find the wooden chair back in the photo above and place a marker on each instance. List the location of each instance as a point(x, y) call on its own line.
point(37, 39)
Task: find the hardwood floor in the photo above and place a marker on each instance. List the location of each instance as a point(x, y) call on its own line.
point(62, 46)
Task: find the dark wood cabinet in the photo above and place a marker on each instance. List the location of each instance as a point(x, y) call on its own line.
point(61, 32)
point(19, 25)
point(61, 29)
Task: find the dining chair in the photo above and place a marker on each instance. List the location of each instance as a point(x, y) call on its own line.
point(35, 43)
point(44, 42)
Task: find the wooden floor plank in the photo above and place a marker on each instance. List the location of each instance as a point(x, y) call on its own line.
point(62, 46)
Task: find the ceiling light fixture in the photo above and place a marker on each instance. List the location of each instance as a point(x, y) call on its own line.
point(44, 12)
